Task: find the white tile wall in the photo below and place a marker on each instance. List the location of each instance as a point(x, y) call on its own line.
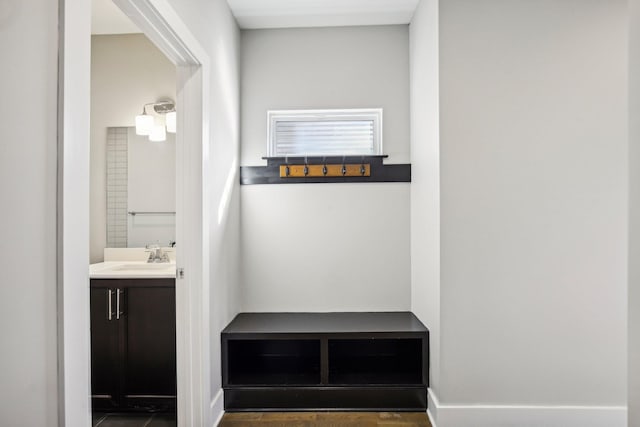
point(117, 142)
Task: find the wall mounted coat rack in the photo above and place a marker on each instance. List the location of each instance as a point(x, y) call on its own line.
point(329, 171)
point(324, 169)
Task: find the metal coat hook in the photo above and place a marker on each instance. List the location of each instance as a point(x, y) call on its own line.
point(307, 168)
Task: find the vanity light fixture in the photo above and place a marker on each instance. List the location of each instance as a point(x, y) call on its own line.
point(162, 120)
point(144, 123)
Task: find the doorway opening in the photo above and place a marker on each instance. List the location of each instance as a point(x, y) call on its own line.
point(160, 24)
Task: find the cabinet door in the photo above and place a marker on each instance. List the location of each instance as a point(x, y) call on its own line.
point(105, 367)
point(150, 345)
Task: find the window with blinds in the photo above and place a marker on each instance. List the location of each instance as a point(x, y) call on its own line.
point(324, 132)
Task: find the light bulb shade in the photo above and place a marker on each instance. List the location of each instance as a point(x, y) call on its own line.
point(171, 119)
point(144, 124)
point(158, 134)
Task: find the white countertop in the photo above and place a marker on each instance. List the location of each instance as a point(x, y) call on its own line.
point(132, 270)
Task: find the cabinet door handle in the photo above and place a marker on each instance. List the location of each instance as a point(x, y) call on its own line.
point(109, 310)
point(118, 291)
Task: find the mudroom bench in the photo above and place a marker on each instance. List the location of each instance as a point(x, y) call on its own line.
point(325, 361)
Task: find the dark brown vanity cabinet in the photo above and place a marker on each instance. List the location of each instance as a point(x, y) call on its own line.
point(133, 344)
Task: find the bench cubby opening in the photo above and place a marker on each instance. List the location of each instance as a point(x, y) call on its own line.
point(375, 361)
point(274, 362)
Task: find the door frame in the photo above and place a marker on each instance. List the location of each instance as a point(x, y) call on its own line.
point(164, 27)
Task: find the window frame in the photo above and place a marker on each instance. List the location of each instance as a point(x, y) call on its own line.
point(275, 116)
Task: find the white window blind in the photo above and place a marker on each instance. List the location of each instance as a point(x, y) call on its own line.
point(324, 132)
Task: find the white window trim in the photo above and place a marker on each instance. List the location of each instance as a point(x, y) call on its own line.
point(375, 114)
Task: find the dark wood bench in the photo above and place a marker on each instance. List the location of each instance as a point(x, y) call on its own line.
point(325, 361)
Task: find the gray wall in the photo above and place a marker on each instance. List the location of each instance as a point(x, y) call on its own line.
point(127, 71)
point(337, 67)
point(325, 247)
point(634, 216)
point(533, 159)
point(425, 179)
point(328, 247)
point(28, 360)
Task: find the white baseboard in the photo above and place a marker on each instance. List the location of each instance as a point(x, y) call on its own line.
point(217, 408)
point(445, 415)
point(431, 418)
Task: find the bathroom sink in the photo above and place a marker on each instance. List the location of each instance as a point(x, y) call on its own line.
point(132, 270)
point(149, 266)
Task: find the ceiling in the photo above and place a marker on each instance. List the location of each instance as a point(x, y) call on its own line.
point(252, 14)
point(107, 18)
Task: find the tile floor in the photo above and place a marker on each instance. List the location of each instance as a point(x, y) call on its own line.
point(134, 420)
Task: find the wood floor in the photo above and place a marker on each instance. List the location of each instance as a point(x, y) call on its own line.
point(325, 419)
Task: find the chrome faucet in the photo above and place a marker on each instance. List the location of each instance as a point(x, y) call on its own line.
point(156, 254)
